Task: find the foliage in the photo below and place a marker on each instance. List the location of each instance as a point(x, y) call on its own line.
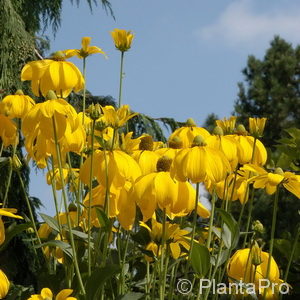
point(271, 89)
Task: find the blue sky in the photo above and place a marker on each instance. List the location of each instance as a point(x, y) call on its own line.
point(186, 58)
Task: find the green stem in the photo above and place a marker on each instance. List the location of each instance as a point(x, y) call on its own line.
point(194, 219)
point(162, 265)
point(123, 265)
point(90, 202)
point(291, 255)
point(66, 208)
point(248, 218)
point(1, 149)
point(121, 79)
point(84, 90)
point(55, 197)
point(9, 176)
point(29, 208)
point(211, 220)
point(274, 217)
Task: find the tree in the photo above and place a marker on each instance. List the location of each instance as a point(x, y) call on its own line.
point(20, 23)
point(271, 89)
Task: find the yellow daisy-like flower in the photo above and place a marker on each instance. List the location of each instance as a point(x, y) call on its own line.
point(8, 131)
point(233, 188)
point(227, 144)
point(200, 163)
point(69, 176)
point(122, 39)
point(270, 181)
point(186, 134)
point(4, 285)
point(46, 294)
point(38, 129)
point(174, 238)
point(160, 190)
point(121, 205)
point(242, 267)
point(116, 118)
point(85, 51)
point(6, 212)
point(16, 106)
point(120, 167)
point(54, 74)
point(248, 151)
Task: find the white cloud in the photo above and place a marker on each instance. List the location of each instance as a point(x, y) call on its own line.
point(241, 25)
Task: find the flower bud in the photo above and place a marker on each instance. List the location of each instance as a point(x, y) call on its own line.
point(19, 92)
point(218, 131)
point(95, 111)
point(257, 126)
point(258, 227)
point(241, 130)
point(16, 163)
point(198, 141)
point(256, 254)
point(51, 95)
point(190, 122)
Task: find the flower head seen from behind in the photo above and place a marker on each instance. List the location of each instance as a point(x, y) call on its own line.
point(46, 294)
point(53, 74)
point(4, 285)
point(122, 39)
point(85, 51)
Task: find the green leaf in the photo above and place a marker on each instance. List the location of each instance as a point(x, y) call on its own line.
point(103, 219)
point(12, 231)
point(65, 247)
point(230, 230)
point(200, 259)
point(98, 278)
point(50, 221)
point(133, 296)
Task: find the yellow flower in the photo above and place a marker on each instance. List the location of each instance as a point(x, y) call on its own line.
point(241, 267)
point(227, 144)
point(270, 181)
point(186, 134)
point(228, 189)
point(128, 144)
point(120, 204)
point(174, 238)
point(85, 50)
point(4, 285)
point(257, 126)
point(246, 148)
point(120, 168)
point(69, 176)
point(200, 163)
point(145, 157)
point(159, 189)
point(38, 129)
point(116, 118)
point(16, 106)
point(8, 131)
point(228, 125)
point(46, 294)
point(122, 39)
point(54, 74)
point(7, 212)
